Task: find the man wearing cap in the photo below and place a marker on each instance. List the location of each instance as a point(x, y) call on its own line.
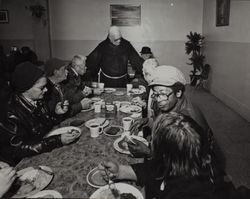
point(146, 53)
point(56, 72)
point(110, 60)
point(28, 119)
point(168, 87)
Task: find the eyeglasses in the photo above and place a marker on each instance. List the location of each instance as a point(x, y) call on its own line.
point(161, 95)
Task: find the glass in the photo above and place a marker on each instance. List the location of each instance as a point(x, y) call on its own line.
point(161, 95)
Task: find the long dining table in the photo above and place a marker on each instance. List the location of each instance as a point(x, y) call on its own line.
point(73, 162)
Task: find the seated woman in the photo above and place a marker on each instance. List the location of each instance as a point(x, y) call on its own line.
point(28, 119)
point(178, 168)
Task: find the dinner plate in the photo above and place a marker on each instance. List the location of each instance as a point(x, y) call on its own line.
point(123, 188)
point(96, 99)
point(99, 120)
point(89, 109)
point(109, 90)
point(123, 103)
point(121, 145)
point(63, 130)
point(119, 93)
point(113, 130)
point(47, 194)
point(95, 179)
point(130, 109)
point(30, 182)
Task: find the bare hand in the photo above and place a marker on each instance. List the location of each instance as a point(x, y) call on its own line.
point(68, 138)
point(7, 177)
point(139, 102)
point(62, 108)
point(138, 125)
point(112, 169)
point(86, 103)
point(139, 149)
point(87, 91)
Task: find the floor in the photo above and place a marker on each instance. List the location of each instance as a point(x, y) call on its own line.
point(231, 131)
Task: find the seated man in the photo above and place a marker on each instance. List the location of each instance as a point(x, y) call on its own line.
point(146, 53)
point(75, 90)
point(168, 86)
point(56, 72)
point(28, 118)
point(178, 168)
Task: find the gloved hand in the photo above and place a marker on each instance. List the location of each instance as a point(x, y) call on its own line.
point(139, 149)
point(138, 125)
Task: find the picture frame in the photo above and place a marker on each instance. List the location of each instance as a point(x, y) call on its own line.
point(222, 12)
point(4, 16)
point(125, 15)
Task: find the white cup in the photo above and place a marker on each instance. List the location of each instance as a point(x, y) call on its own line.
point(95, 130)
point(127, 122)
point(101, 85)
point(129, 87)
point(97, 107)
point(94, 84)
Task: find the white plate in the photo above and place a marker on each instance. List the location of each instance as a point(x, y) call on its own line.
point(113, 135)
point(117, 143)
point(103, 192)
point(96, 99)
point(63, 130)
point(98, 120)
point(130, 109)
point(136, 91)
point(123, 103)
point(95, 179)
point(47, 194)
point(109, 90)
point(89, 109)
point(38, 180)
point(119, 93)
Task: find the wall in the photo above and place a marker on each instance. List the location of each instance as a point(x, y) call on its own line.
point(24, 30)
point(227, 51)
point(77, 26)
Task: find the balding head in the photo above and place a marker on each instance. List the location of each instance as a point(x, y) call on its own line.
point(115, 35)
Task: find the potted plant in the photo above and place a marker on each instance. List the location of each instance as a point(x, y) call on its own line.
point(194, 48)
point(38, 11)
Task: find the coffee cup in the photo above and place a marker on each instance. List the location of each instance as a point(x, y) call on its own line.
point(95, 130)
point(127, 122)
point(129, 87)
point(94, 84)
point(97, 107)
point(101, 85)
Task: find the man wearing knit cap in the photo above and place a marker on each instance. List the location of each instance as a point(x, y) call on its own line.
point(56, 72)
point(168, 87)
point(110, 60)
point(29, 119)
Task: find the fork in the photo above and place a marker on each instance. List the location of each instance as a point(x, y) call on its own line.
point(113, 189)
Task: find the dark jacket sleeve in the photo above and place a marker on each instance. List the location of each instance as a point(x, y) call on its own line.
point(135, 60)
point(22, 146)
point(93, 62)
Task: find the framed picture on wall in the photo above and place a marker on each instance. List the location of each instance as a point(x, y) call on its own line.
point(222, 12)
point(125, 15)
point(4, 16)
